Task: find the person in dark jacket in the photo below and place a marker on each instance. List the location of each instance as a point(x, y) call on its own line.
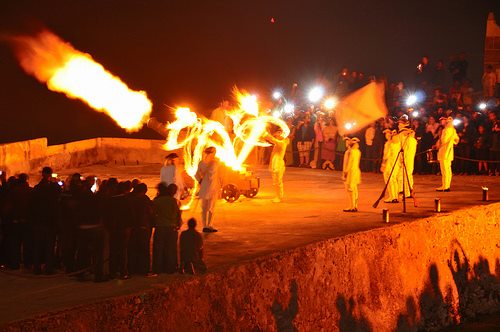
point(90, 233)
point(191, 250)
point(45, 215)
point(20, 244)
point(167, 223)
point(495, 149)
point(121, 216)
point(139, 257)
point(305, 139)
point(70, 213)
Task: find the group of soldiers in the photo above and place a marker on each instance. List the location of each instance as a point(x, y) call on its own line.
point(398, 161)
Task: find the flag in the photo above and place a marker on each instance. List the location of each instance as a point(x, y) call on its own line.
point(361, 108)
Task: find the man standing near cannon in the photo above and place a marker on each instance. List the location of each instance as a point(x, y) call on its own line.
point(210, 184)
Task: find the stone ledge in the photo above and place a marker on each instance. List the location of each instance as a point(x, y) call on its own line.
point(425, 274)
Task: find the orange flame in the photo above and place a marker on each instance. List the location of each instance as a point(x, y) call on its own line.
point(64, 69)
point(199, 133)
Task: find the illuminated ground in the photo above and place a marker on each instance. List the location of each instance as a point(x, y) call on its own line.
point(248, 228)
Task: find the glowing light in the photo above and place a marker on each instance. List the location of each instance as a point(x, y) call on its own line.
point(330, 103)
point(415, 114)
point(456, 122)
point(289, 108)
point(248, 103)
point(277, 114)
point(349, 125)
point(482, 106)
point(411, 100)
point(277, 95)
point(315, 94)
point(64, 69)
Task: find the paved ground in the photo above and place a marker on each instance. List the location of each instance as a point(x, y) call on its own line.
point(248, 228)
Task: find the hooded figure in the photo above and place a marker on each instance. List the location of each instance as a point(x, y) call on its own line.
point(391, 152)
point(277, 163)
point(448, 139)
point(409, 145)
point(210, 185)
point(351, 173)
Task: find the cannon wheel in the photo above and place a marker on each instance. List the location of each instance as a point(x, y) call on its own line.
point(251, 193)
point(230, 193)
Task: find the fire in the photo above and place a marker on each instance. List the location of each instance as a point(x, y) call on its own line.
point(198, 133)
point(64, 69)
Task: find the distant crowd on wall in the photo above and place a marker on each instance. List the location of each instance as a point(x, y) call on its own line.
point(90, 228)
point(439, 90)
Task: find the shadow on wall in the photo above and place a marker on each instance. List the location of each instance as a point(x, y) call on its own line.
point(284, 316)
point(478, 294)
point(348, 320)
point(478, 291)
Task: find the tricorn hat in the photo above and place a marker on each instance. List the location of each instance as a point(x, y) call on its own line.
point(172, 155)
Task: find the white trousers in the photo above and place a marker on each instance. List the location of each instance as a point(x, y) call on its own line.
point(446, 173)
point(278, 182)
point(353, 195)
point(207, 211)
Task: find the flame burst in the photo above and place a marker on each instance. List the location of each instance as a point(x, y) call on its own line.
point(64, 69)
point(233, 150)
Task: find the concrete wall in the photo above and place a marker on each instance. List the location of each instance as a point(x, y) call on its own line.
point(29, 156)
point(422, 275)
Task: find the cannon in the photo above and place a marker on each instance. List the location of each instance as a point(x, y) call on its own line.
point(234, 184)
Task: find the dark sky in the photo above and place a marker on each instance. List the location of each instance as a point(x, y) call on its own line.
point(195, 51)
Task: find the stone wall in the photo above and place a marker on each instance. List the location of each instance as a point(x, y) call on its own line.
point(29, 156)
point(421, 275)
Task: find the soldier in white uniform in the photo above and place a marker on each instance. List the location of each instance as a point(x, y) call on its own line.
point(391, 151)
point(277, 163)
point(447, 140)
point(351, 173)
point(210, 185)
point(171, 172)
point(409, 145)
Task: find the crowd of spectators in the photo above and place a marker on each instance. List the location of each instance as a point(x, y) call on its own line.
point(111, 229)
point(437, 90)
point(87, 227)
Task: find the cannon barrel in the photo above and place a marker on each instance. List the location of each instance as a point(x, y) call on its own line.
point(157, 126)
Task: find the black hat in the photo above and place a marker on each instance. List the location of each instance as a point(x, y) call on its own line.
point(172, 155)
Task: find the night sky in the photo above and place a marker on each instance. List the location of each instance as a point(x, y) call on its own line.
point(193, 52)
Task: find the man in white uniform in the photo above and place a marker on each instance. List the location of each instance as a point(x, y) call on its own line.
point(277, 163)
point(448, 139)
point(409, 145)
point(210, 185)
point(171, 172)
point(391, 151)
point(351, 173)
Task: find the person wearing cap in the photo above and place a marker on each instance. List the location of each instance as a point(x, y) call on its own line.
point(389, 164)
point(409, 146)
point(351, 173)
point(171, 172)
point(210, 185)
point(277, 163)
point(445, 144)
